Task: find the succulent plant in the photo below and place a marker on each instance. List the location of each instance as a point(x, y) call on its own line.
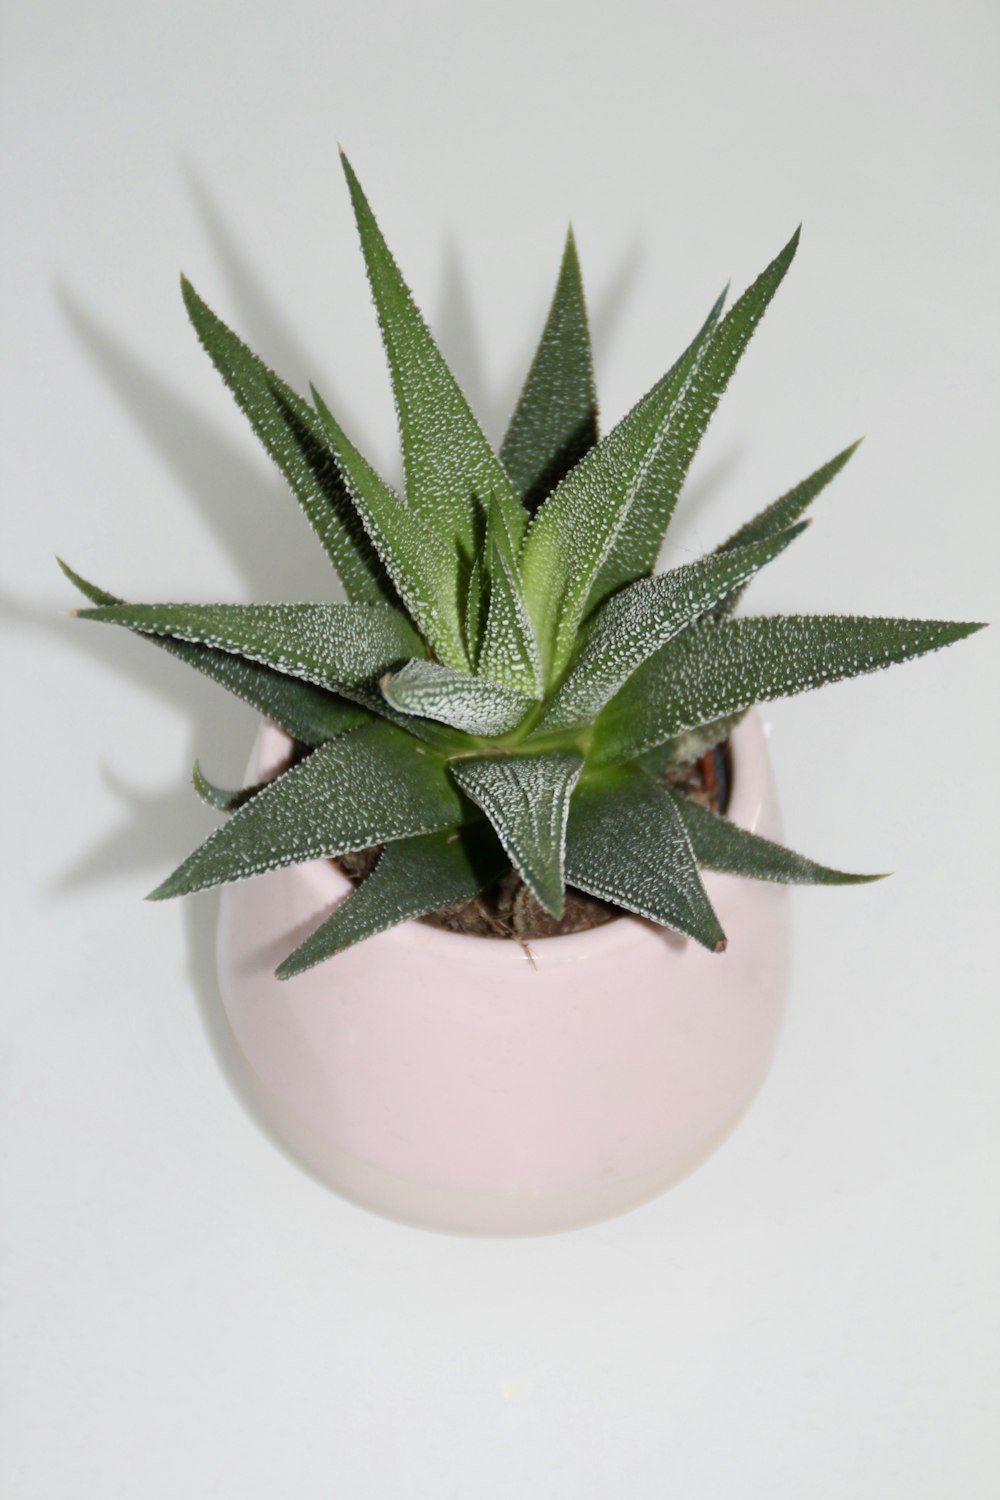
point(510, 681)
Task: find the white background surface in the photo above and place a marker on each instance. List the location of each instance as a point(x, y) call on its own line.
point(814, 1311)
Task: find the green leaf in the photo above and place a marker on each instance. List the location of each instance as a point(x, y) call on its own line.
point(293, 437)
point(366, 788)
point(309, 714)
point(775, 517)
point(222, 799)
point(476, 605)
point(473, 704)
point(425, 573)
point(640, 619)
point(555, 421)
point(343, 646)
point(573, 532)
point(626, 843)
point(718, 668)
point(509, 652)
point(527, 799)
point(412, 878)
point(449, 464)
point(721, 845)
point(339, 646)
point(638, 544)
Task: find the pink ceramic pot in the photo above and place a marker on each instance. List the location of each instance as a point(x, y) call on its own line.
point(455, 1083)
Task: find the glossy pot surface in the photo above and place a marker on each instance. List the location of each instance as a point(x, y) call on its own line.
point(464, 1084)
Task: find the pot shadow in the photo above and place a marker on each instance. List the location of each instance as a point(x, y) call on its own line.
point(157, 828)
point(201, 923)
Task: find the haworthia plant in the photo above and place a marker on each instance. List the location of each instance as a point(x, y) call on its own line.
point(512, 683)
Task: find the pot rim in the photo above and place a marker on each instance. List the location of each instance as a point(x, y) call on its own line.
point(329, 884)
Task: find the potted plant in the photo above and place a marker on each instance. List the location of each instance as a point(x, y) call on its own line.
point(496, 974)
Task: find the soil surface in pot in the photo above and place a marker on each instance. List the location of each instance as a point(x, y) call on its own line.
point(507, 909)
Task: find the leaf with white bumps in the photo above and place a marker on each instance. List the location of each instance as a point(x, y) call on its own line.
point(425, 573)
point(774, 518)
point(339, 646)
point(223, 799)
point(473, 704)
point(555, 421)
point(572, 534)
point(527, 798)
point(637, 546)
point(450, 467)
point(509, 653)
point(476, 605)
point(293, 437)
point(639, 619)
point(626, 843)
point(413, 877)
point(718, 668)
point(362, 789)
point(308, 713)
point(721, 845)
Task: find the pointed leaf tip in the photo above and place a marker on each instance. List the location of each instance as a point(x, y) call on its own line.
point(724, 846)
point(555, 422)
point(722, 667)
point(721, 945)
point(223, 799)
point(615, 822)
point(356, 190)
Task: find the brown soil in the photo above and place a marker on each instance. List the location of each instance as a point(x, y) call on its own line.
point(507, 909)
